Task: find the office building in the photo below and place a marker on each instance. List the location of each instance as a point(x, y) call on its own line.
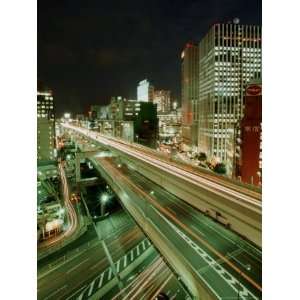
point(45, 126)
point(162, 99)
point(249, 143)
point(131, 120)
point(190, 94)
point(170, 126)
point(145, 91)
point(229, 58)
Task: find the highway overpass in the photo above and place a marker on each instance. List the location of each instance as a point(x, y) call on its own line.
point(227, 201)
point(210, 261)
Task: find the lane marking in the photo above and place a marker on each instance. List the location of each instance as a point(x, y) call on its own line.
point(227, 277)
point(101, 280)
point(56, 291)
point(118, 265)
point(167, 212)
point(109, 274)
point(125, 261)
point(138, 250)
point(197, 229)
point(131, 255)
point(75, 267)
point(91, 288)
point(76, 292)
point(203, 220)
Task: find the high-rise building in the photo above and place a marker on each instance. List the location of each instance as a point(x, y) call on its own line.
point(249, 143)
point(132, 120)
point(162, 100)
point(190, 94)
point(45, 125)
point(229, 58)
point(145, 91)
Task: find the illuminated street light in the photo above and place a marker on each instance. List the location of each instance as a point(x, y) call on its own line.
point(152, 193)
point(103, 199)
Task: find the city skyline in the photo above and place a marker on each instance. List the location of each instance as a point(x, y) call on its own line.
point(108, 62)
point(122, 163)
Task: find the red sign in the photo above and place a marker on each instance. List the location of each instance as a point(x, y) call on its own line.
point(253, 90)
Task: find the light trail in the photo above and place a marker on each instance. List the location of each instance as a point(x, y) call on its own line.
point(141, 280)
point(72, 216)
point(167, 213)
point(212, 186)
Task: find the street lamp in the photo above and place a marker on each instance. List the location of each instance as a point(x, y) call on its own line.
point(103, 199)
point(106, 250)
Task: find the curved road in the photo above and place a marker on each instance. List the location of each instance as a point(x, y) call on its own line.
point(72, 216)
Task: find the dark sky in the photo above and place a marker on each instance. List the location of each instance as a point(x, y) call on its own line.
point(90, 50)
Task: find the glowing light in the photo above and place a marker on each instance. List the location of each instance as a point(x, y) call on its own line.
point(67, 115)
point(104, 197)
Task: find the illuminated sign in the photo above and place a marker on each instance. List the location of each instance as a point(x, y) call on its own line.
point(253, 90)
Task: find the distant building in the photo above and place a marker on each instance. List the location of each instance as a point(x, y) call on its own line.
point(145, 91)
point(229, 58)
point(190, 94)
point(95, 110)
point(249, 142)
point(162, 99)
point(131, 120)
point(45, 126)
point(170, 125)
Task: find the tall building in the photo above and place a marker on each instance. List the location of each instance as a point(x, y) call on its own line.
point(145, 91)
point(249, 144)
point(229, 58)
point(162, 99)
point(45, 125)
point(190, 94)
point(132, 120)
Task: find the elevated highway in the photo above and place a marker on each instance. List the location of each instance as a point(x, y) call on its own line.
point(210, 260)
point(229, 202)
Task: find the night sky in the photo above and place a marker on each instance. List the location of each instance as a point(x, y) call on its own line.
point(89, 50)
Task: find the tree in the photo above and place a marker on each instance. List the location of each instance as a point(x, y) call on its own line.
point(220, 168)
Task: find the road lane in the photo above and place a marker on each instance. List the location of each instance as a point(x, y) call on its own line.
point(216, 186)
point(78, 271)
point(218, 278)
point(219, 237)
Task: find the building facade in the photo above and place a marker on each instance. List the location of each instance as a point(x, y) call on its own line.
point(229, 58)
point(145, 91)
point(249, 137)
point(190, 94)
point(45, 126)
point(131, 120)
point(162, 99)
point(170, 126)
